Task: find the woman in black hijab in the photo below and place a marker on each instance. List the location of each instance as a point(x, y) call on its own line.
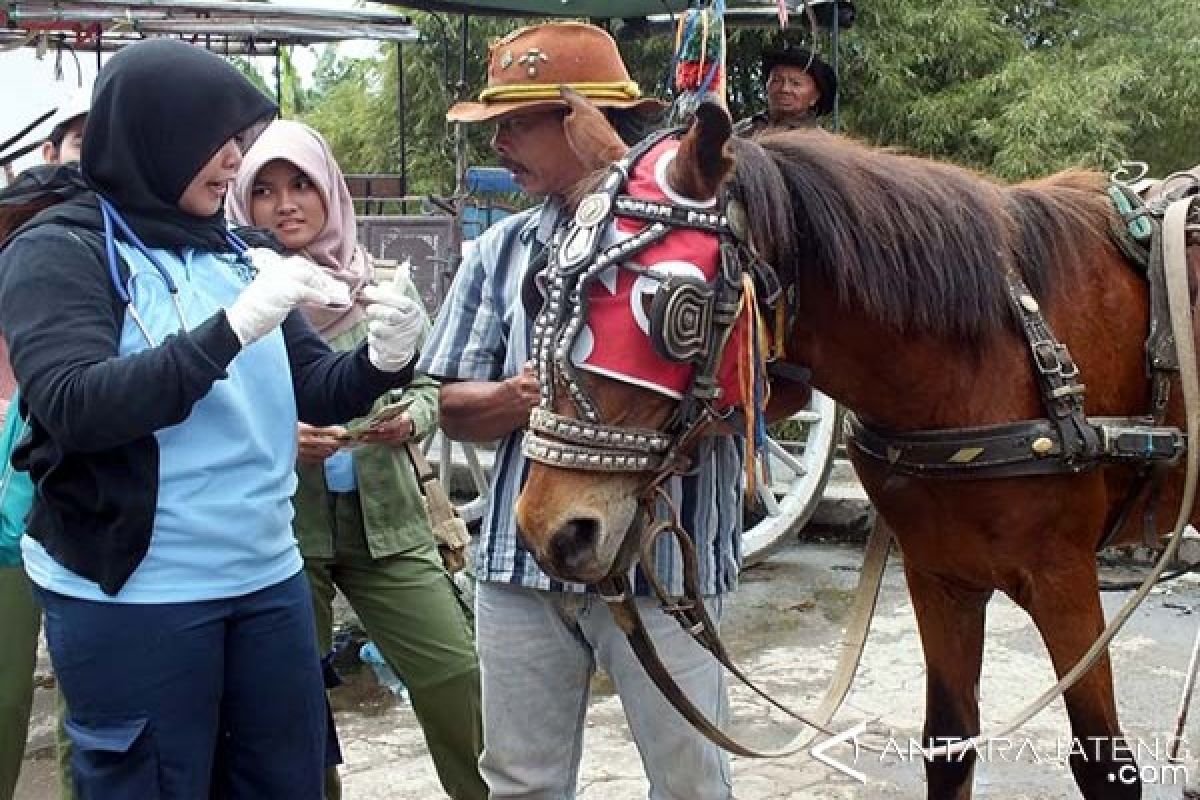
point(162, 370)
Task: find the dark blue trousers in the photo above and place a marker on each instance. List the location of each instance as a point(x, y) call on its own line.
point(151, 688)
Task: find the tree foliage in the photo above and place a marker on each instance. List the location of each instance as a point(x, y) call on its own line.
point(1022, 88)
point(1016, 88)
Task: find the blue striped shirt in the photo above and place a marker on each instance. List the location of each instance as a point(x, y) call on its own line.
point(482, 333)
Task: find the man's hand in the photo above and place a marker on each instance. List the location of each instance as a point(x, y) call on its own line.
point(481, 411)
point(318, 444)
point(526, 392)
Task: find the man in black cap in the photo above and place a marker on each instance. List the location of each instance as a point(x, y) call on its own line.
point(800, 88)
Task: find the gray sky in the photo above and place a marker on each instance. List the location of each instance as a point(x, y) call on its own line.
point(30, 87)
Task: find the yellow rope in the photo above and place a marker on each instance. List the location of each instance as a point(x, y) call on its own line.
point(779, 345)
point(748, 376)
point(606, 90)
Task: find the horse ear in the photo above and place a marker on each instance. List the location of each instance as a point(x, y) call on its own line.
point(589, 132)
point(702, 161)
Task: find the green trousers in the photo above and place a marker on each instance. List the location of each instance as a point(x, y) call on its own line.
point(20, 620)
point(20, 623)
point(410, 608)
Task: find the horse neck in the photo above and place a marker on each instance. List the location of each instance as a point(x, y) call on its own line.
point(903, 380)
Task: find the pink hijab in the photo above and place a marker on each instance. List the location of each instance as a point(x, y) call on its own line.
point(336, 246)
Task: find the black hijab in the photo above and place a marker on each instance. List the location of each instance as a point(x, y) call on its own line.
point(160, 110)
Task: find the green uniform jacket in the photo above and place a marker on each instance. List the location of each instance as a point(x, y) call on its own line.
point(392, 505)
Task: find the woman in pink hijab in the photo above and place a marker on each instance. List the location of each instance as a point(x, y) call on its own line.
point(360, 519)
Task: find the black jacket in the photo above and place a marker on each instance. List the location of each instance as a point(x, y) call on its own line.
point(92, 453)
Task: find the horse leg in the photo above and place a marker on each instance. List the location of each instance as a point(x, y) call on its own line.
point(951, 621)
point(1065, 606)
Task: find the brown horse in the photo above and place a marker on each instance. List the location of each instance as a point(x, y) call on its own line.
point(894, 268)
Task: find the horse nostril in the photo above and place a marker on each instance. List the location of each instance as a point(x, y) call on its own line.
point(574, 540)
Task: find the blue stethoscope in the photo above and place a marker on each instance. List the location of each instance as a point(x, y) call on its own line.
point(111, 219)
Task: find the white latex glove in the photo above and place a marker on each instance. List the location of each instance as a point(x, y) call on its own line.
point(395, 327)
point(281, 285)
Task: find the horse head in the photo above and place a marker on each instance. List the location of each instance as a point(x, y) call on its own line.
point(627, 347)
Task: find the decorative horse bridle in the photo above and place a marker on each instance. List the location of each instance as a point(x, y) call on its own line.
point(690, 322)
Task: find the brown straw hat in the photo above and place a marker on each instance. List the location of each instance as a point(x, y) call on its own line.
point(527, 67)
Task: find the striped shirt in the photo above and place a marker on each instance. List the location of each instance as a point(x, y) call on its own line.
point(483, 333)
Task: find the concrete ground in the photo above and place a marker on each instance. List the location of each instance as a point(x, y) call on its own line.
point(783, 626)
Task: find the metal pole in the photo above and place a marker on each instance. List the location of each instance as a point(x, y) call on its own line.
point(402, 121)
point(446, 274)
point(460, 133)
point(834, 29)
point(279, 77)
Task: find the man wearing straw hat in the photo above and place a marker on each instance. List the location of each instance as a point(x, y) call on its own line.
point(541, 640)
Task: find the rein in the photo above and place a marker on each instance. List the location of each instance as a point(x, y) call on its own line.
point(689, 611)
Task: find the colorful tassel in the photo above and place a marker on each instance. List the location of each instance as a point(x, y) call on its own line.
point(698, 66)
point(756, 388)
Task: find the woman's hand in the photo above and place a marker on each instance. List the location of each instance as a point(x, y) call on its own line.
point(281, 285)
point(394, 432)
point(318, 444)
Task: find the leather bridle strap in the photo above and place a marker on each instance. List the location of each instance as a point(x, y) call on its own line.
point(690, 612)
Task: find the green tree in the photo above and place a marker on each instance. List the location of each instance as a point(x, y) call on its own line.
point(1021, 89)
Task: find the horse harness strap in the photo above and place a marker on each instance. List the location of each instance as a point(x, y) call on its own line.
point(1066, 440)
point(689, 611)
point(1176, 228)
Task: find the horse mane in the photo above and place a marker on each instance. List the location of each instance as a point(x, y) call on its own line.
point(919, 245)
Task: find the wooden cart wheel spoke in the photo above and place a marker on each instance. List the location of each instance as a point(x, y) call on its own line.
point(799, 470)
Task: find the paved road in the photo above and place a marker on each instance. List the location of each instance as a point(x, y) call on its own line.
point(783, 625)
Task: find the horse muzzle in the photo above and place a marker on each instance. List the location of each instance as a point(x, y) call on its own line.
point(582, 546)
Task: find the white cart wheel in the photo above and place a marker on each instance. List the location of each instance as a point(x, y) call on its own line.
point(799, 470)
